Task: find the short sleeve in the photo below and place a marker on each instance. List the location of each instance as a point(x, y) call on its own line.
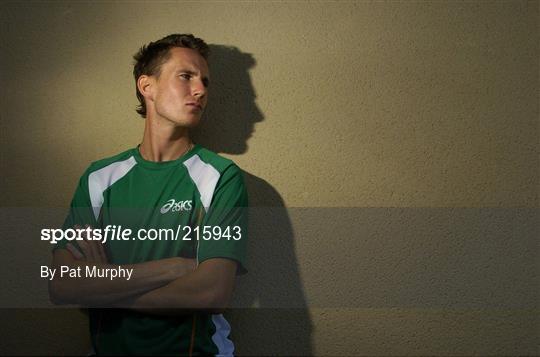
point(228, 211)
point(80, 210)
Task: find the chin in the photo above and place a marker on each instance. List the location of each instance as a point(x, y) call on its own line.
point(188, 123)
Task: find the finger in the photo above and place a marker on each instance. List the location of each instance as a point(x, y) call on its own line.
point(77, 228)
point(85, 250)
point(75, 252)
point(94, 250)
point(84, 231)
point(99, 248)
point(102, 253)
point(92, 245)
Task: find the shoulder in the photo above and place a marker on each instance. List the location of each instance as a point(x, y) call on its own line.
point(121, 161)
point(122, 158)
point(217, 162)
point(102, 173)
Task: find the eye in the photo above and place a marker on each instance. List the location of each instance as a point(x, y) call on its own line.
point(185, 76)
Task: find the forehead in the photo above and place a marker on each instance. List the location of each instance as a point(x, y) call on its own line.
point(186, 59)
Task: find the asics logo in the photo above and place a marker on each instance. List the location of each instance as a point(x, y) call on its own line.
point(175, 206)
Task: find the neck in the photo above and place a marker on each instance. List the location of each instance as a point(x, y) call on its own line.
point(164, 142)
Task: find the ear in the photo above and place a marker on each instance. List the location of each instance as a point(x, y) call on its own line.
point(145, 84)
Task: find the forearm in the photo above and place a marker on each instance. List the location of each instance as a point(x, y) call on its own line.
point(207, 288)
point(93, 291)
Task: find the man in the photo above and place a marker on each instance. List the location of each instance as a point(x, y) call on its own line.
point(172, 302)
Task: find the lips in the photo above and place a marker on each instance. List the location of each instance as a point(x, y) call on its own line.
point(195, 105)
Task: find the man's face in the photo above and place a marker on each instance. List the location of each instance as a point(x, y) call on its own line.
point(181, 90)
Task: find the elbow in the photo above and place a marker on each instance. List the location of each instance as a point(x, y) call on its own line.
point(58, 293)
point(216, 300)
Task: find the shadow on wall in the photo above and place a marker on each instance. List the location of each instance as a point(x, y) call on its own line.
point(281, 323)
point(231, 114)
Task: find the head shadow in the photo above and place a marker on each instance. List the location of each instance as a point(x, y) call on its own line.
point(231, 113)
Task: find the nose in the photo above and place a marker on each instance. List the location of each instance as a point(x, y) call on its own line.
point(199, 89)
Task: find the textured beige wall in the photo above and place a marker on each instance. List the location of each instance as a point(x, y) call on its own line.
point(323, 104)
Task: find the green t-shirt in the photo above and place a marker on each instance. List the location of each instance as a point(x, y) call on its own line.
point(200, 189)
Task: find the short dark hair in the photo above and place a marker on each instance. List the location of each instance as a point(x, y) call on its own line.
point(149, 58)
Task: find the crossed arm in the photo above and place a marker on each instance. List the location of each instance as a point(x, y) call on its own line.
point(161, 287)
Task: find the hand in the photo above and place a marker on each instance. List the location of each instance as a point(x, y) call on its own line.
point(92, 251)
